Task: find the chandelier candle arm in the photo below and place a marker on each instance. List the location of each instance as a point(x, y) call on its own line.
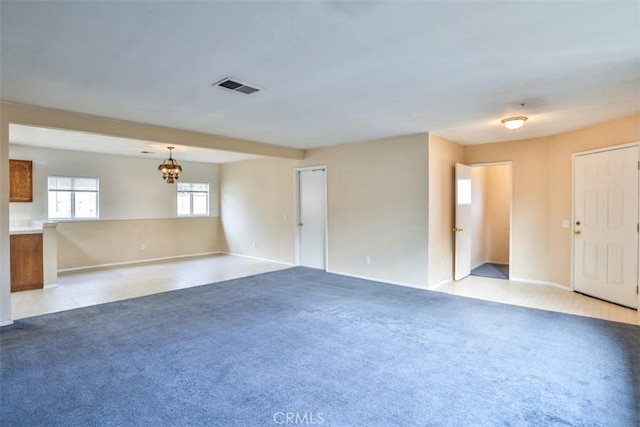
point(170, 169)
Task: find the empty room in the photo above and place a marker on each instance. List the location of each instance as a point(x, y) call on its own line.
point(341, 213)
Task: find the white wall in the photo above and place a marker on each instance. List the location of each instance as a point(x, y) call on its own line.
point(130, 187)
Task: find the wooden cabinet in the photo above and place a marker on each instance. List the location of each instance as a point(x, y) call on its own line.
point(20, 180)
point(26, 262)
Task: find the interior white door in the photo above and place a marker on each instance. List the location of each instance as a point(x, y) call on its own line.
point(312, 228)
point(606, 225)
point(462, 227)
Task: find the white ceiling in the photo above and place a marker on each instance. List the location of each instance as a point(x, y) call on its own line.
point(330, 72)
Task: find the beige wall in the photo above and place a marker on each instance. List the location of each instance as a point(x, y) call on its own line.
point(120, 241)
point(443, 155)
point(490, 212)
point(498, 210)
point(542, 188)
point(478, 217)
point(5, 274)
point(383, 199)
point(378, 207)
point(377, 197)
point(256, 198)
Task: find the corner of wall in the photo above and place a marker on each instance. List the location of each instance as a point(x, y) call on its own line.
point(443, 155)
point(5, 277)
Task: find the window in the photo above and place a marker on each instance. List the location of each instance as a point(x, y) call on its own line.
point(193, 198)
point(73, 198)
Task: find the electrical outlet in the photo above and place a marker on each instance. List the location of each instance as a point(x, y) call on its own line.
point(254, 244)
point(143, 246)
point(367, 260)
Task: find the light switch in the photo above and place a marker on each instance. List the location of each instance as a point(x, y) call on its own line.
point(566, 223)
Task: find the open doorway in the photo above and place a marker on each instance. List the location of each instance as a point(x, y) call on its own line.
point(491, 220)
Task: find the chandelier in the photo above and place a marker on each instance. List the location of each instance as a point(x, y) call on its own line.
point(170, 169)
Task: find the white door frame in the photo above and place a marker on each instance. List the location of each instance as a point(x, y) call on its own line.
point(510, 164)
point(573, 198)
point(296, 207)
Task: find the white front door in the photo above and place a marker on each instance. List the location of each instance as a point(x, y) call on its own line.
point(312, 214)
point(462, 227)
point(606, 225)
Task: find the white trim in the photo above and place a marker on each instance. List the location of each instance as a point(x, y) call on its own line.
point(63, 270)
point(439, 284)
point(51, 286)
point(489, 262)
point(258, 258)
point(541, 282)
point(497, 262)
point(375, 279)
point(296, 211)
point(506, 162)
point(609, 148)
point(6, 323)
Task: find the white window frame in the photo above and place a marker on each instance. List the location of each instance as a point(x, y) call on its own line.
point(180, 189)
point(73, 192)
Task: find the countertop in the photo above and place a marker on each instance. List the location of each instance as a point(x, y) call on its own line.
point(31, 228)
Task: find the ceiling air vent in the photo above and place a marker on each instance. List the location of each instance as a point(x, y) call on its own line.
point(237, 86)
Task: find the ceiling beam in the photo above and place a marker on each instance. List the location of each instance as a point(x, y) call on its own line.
point(59, 119)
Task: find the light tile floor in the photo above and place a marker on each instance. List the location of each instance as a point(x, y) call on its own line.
point(88, 287)
point(539, 296)
point(82, 288)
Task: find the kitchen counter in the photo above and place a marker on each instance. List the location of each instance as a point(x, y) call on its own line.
point(29, 227)
point(48, 254)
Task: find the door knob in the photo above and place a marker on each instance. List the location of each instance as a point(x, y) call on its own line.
point(456, 230)
point(300, 224)
point(577, 232)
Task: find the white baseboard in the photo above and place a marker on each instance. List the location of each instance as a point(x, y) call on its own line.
point(374, 279)
point(442, 283)
point(258, 258)
point(489, 262)
point(113, 264)
point(6, 323)
point(540, 282)
point(51, 286)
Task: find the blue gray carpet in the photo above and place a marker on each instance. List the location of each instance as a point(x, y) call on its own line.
point(497, 271)
point(300, 346)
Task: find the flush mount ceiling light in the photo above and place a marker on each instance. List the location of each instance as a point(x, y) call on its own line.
point(170, 169)
point(514, 123)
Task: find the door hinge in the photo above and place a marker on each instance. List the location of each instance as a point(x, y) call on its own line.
point(636, 290)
